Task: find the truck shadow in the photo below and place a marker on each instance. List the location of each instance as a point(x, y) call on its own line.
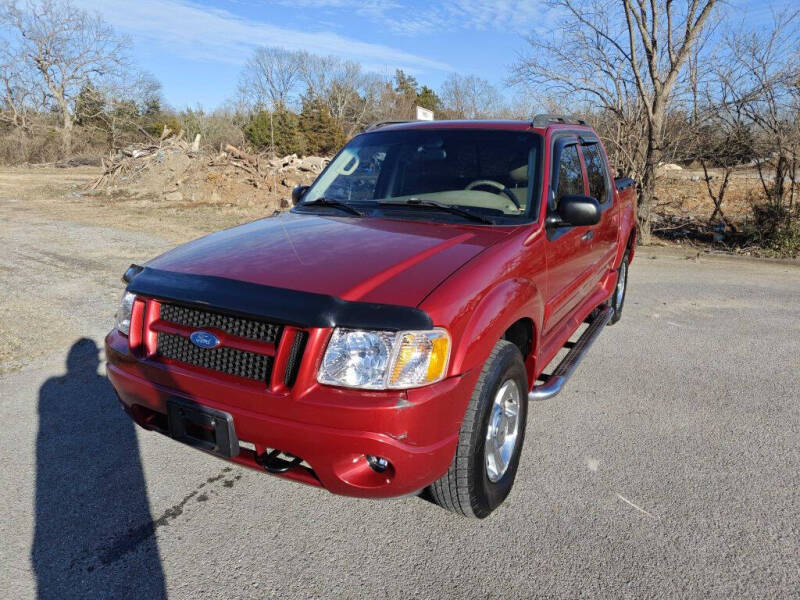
point(90, 491)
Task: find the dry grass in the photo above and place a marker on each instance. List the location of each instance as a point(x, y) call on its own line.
point(678, 194)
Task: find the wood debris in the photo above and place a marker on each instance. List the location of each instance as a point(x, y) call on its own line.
point(174, 163)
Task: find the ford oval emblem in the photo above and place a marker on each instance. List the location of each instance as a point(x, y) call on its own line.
point(204, 339)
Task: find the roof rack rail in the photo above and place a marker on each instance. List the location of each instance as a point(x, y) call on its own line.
point(379, 124)
point(543, 120)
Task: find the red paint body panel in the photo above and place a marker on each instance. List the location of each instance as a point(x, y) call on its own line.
point(473, 280)
point(374, 260)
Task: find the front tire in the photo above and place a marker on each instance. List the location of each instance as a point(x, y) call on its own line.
point(617, 301)
point(490, 441)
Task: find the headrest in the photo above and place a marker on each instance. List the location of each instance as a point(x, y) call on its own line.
point(520, 174)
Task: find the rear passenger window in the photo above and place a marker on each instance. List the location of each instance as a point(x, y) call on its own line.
point(596, 172)
point(570, 175)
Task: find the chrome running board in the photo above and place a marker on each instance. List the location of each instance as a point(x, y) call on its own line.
point(556, 381)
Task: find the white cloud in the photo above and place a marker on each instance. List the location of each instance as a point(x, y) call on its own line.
point(204, 33)
point(405, 18)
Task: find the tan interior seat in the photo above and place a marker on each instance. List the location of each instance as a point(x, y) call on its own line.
point(520, 188)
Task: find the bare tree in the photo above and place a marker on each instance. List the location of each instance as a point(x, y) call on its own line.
point(721, 140)
point(352, 96)
point(271, 76)
point(17, 88)
point(316, 72)
point(66, 46)
point(115, 105)
point(470, 97)
point(274, 78)
point(759, 83)
point(720, 147)
point(625, 58)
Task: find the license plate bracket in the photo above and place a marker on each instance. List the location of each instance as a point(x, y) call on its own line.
point(202, 427)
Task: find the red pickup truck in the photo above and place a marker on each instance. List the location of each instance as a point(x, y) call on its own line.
point(385, 336)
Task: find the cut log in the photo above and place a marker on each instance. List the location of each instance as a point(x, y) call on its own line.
point(234, 151)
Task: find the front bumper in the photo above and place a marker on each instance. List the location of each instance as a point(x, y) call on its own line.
point(331, 429)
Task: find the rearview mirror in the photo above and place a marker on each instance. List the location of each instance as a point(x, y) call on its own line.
point(298, 192)
point(579, 210)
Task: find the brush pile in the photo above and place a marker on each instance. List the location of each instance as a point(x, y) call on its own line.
point(179, 171)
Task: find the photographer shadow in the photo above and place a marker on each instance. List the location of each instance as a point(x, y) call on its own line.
point(90, 491)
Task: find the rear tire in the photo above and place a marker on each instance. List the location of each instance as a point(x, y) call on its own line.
point(478, 481)
point(617, 300)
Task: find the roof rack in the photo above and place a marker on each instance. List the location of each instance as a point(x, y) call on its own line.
point(379, 124)
point(541, 121)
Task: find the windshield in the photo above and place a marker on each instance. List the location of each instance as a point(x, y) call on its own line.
point(491, 173)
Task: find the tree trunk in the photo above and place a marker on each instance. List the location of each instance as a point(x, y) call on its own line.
point(66, 132)
point(647, 190)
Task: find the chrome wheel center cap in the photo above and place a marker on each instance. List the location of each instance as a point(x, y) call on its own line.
point(502, 432)
point(623, 275)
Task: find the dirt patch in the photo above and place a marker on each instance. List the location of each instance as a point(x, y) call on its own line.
point(65, 194)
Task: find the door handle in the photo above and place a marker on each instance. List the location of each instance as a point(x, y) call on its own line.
point(586, 237)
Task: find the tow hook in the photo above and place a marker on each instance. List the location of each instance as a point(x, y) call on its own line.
point(273, 463)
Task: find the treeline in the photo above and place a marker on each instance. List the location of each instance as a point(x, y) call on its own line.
point(297, 102)
point(68, 87)
point(672, 81)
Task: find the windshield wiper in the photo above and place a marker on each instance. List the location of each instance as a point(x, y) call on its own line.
point(333, 204)
point(440, 206)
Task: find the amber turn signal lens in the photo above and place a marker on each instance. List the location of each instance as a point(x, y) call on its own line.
point(420, 358)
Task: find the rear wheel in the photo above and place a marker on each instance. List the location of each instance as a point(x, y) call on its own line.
point(491, 437)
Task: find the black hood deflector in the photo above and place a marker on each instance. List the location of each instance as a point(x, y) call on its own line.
point(277, 305)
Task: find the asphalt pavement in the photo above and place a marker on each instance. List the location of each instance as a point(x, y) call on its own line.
point(669, 467)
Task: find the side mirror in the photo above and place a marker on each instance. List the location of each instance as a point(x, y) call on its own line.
point(298, 192)
point(579, 210)
point(623, 183)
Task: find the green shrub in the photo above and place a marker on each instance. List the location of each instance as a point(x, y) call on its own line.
point(322, 134)
point(284, 128)
point(155, 124)
point(777, 228)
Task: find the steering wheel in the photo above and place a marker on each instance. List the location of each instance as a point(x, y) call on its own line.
point(499, 187)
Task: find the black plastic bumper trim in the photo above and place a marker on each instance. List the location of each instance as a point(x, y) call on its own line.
point(279, 305)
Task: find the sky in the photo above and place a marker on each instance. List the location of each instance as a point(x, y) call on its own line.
point(197, 48)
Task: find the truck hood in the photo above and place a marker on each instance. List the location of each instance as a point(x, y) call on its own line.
point(386, 261)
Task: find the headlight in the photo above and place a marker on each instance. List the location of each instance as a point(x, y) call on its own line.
point(122, 320)
point(380, 360)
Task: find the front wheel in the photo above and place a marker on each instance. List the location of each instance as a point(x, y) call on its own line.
point(617, 301)
point(490, 441)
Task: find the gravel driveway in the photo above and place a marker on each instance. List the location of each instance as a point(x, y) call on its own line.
point(670, 466)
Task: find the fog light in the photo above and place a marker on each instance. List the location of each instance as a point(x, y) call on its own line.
point(378, 464)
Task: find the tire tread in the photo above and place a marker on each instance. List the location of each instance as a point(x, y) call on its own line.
point(454, 490)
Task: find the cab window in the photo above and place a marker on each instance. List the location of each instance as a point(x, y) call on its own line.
point(596, 172)
point(570, 174)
